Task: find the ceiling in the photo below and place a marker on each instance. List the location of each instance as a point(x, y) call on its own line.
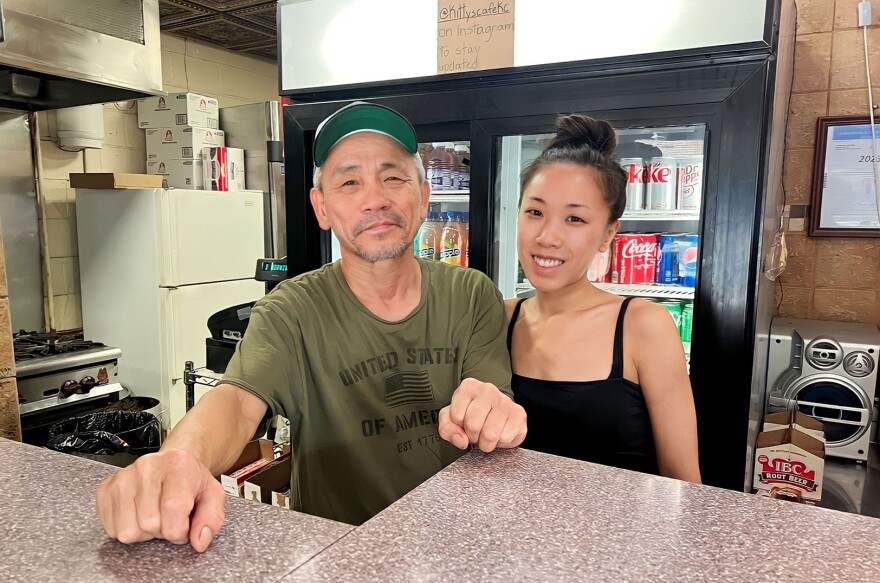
point(246, 26)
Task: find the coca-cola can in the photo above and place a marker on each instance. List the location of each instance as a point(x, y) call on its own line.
point(660, 176)
point(634, 258)
point(635, 183)
point(600, 269)
point(690, 183)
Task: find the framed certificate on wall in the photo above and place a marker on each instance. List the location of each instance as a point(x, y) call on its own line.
point(844, 198)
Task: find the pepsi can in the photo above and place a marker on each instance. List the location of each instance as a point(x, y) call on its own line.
point(687, 262)
point(668, 261)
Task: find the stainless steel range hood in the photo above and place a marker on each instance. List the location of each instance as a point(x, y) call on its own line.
point(56, 53)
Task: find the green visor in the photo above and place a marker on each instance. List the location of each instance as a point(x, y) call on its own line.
point(362, 117)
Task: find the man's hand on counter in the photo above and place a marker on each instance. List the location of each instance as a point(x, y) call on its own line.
point(168, 495)
point(480, 414)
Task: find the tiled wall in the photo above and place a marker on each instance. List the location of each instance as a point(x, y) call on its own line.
point(232, 78)
point(828, 278)
point(10, 427)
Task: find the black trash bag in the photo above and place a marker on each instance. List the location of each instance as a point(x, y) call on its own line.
point(107, 433)
point(94, 442)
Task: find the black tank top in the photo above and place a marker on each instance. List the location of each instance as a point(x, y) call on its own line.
point(604, 421)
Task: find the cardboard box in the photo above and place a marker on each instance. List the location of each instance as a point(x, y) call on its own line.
point(114, 180)
point(259, 452)
point(795, 420)
point(178, 173)
point(178, 109)
point(261, 486)
point(223, 168)
point(789, 466)
point(181, 143)
point(281, 499)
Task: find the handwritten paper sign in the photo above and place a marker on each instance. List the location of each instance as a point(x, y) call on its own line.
point(474, 35)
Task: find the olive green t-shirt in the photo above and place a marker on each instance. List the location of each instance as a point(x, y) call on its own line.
point(363, 394)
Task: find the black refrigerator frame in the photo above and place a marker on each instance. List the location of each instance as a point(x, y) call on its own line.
point(730, 89)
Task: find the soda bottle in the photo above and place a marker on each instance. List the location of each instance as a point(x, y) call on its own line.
point(463, 230)
point(462, 152)
point(456, 162)
point(447, 167)
point(450, 241)
point(437, 160)
point(434, 219)
point(424, 153)
point(426, 240)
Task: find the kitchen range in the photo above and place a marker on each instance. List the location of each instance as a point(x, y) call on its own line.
point(62, 375)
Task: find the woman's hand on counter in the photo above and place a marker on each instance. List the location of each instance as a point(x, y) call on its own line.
point(168, 495)
point(482, 415)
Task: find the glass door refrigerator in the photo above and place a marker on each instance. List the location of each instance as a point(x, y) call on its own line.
point(700, 135)
point(655, 254)
point(444, 235)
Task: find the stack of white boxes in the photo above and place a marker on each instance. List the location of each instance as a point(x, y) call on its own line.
point(178, 127)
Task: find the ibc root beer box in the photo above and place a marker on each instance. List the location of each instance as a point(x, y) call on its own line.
point(790, 458)
point(183, 143)
point(223, 168)
point(178, 109)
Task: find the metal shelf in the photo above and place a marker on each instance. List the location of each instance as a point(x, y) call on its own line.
point(645, 290)
point(649, 290)
point(59, 399)
point(661, 216)
point(451, 196)
point(524, 290)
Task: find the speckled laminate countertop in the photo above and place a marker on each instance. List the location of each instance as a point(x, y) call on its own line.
point(508, 516)
point(49, 531)
point(524, 516)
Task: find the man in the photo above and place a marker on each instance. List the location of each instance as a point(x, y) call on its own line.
point(377, 360)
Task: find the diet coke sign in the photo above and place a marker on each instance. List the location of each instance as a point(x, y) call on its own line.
point(660, 172)
point(635, 174)
point(635, 258)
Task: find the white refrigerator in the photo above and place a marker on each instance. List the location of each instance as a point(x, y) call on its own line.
point(154, 265)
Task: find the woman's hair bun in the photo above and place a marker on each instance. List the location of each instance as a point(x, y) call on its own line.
point(578, 130)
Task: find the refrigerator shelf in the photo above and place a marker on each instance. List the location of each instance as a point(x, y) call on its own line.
point(649, 290)
point(661, 216)
point(645, 290)
point(450, 196)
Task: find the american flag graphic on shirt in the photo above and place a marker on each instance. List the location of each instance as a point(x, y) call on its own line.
point(403, 388)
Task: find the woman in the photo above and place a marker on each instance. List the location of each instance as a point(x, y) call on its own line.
point(565, 340)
